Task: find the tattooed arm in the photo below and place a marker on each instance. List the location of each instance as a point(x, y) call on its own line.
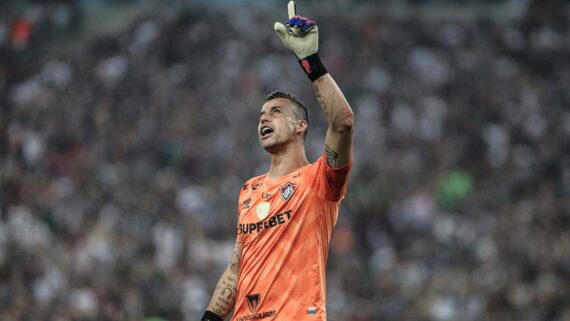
point(224, 296)
point(338, 144)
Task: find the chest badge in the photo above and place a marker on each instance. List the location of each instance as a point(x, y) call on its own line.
point(262, 210)
point(287, 191)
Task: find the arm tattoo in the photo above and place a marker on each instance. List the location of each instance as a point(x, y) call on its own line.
point(332, 156)
point(236, 258)
point(227, 293)
point(320, 99)
point(224, 296)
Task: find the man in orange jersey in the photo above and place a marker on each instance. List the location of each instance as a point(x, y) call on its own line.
point(286, 216)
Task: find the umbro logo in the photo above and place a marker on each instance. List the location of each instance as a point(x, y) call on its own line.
point(246, 204)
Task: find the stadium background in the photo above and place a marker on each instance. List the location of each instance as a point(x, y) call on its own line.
point(128, 127)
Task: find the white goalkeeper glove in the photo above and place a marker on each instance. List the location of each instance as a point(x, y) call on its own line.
point(301, 36)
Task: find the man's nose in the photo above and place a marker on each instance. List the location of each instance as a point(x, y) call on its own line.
point(264, 118)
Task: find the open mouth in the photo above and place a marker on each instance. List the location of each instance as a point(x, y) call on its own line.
point(265, 131)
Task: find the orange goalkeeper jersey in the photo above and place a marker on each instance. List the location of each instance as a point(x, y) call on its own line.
point(285, 225)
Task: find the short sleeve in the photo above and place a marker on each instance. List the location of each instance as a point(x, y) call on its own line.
point(330, 183)
point(240, 236)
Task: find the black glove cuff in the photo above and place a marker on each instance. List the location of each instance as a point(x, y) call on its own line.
point(313, 67)
point(211, 316)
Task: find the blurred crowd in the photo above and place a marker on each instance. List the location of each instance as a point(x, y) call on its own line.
point(121, 157)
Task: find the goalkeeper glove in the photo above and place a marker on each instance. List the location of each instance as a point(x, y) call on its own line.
point(301, 36)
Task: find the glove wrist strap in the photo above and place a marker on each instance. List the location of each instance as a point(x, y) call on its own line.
point(211, 316)
point(313, 67)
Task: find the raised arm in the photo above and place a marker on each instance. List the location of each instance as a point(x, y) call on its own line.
point(224, 297)
point(301, 36)
point(338, 144)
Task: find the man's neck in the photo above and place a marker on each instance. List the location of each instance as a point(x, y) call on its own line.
point(287, 161)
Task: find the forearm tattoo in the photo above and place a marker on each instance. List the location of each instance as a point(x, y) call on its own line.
point(320, 99)
point(224, 296)
point(332, 156)
point(236, 257)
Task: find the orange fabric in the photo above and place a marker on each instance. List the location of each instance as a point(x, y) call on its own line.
point(285, 226)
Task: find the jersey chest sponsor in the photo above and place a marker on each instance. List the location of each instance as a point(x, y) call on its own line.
point(258, 227)
point(263, 208)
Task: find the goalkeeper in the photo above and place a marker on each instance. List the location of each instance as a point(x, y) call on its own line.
point(286, 217)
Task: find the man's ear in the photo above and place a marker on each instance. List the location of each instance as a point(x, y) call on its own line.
point(301, 126)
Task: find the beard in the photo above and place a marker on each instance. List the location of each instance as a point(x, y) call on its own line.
point(273, 144)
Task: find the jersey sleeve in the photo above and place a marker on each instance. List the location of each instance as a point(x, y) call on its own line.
point(239, 237)
point(328, 182)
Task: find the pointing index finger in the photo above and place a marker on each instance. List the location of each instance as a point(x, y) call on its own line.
point(291, 9)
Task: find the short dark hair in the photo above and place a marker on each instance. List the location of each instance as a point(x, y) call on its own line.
point(300, 110)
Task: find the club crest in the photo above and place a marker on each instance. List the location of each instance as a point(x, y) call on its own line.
point(287, 191)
